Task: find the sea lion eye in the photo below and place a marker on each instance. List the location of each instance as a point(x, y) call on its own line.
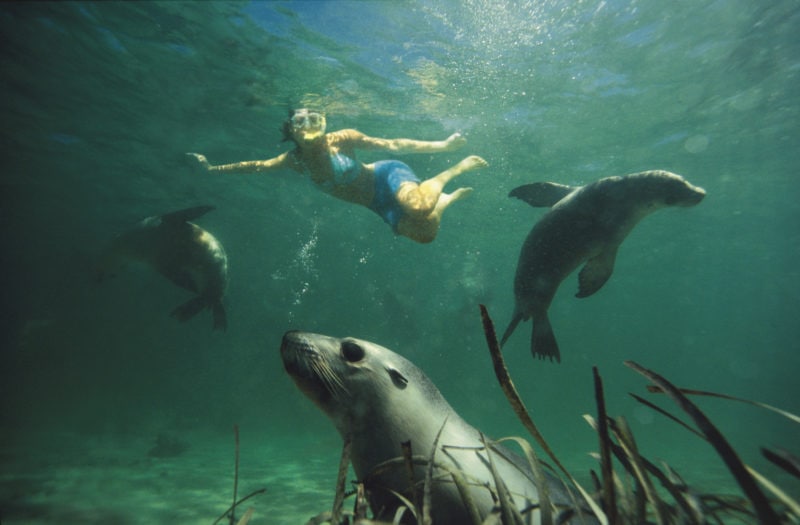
point(352, 352)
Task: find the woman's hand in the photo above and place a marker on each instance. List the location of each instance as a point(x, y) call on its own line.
point(454, 141)
point(199, 162)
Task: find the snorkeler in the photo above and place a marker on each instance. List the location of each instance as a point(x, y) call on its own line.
point(413, 208)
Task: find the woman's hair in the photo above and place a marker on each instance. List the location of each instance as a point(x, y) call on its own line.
point(286, 128)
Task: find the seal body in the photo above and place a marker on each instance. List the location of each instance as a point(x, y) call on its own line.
point(378, 400)
point(184, 253)
point(585, 224)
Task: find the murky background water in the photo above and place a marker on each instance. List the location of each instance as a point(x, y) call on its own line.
point(101, 100)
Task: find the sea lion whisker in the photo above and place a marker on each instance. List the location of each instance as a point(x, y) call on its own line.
point(324, 376)
point(333, 383)
point(337, 383)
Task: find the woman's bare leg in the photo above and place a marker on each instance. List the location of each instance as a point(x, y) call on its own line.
point(423, 228)
point(422, 198)
point(446, 199)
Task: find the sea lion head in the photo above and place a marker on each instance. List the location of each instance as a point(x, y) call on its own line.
point(358, 384)
point(381, 402)
point(662, 188)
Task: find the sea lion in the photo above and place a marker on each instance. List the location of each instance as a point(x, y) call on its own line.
point(184, 253)
point(586, 223)
point(378, 400)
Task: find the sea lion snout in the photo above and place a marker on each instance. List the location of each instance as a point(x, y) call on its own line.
point(296, 346)
point(670, 188)
point(292, 337)
point(307, 360)
point(687, 195)
point(698, 194)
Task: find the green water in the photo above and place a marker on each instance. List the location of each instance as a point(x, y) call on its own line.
point(101, 100)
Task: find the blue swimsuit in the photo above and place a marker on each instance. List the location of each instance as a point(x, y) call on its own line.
point(389, 175)
point(345, 170)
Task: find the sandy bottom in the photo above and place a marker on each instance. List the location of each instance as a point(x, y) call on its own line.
point(79, 480)
point(88, 481)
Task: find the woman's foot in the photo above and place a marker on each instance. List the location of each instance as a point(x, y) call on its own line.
point(473, 162)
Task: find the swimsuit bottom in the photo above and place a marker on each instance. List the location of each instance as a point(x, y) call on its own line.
point(389, 175)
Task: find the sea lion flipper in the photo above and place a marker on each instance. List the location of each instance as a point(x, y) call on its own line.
point(189, 309)
point(596, 272)
point(180, 276)
point(187, 215)
point(543, 340)
point(541, 194)
point(194, 306)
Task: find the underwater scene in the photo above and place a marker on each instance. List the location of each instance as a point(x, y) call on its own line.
point(205, 296)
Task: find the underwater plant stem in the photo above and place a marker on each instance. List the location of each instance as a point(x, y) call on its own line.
point(254, 493)
point(666, 414)
point(639, 471)
point(408, 455)
point(764, 511)
point(692, 392)
point(609, 498)
point(426, 497)
point(790, 503)
point(341, 479)
point(509, 513)
point(501, 371)
point(230, 511)
point(545, 507)
point(235, 474)
point(504, 378)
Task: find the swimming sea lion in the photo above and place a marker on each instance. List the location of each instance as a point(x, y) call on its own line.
point(184, 253)
point(586, 223)
point(379, 400)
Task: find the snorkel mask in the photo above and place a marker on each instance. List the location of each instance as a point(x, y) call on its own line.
point(307, 125)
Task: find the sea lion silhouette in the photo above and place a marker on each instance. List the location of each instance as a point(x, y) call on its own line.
point(586, 223)
point(184, 253)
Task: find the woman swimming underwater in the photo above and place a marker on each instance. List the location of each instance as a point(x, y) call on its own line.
point(413, 208)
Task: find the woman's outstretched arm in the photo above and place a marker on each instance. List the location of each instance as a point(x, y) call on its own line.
point(451, 143)
point(248, 166)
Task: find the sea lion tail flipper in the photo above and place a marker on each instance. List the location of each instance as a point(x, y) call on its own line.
point(596, 272)
point(541, 194)
point(189, 309)
point(543, 341)
point(187, 215)
point(220, 318)
point(511, 326)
